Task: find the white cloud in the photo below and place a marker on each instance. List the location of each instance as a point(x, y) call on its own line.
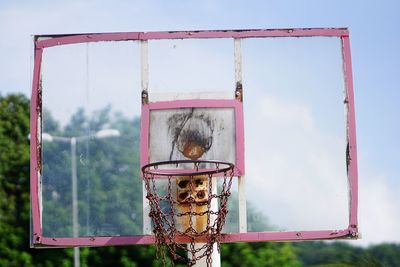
point(18, 22)
point(379, 213)
point(295, 172)
point(296, 175)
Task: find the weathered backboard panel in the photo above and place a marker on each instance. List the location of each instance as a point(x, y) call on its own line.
point(280, 108)
point(215, 126)
point(212, 128)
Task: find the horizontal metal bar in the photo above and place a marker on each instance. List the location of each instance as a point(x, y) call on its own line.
point(55, 40)
point(226, 238)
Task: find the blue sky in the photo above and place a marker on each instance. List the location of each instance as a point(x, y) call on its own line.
point(375, 46)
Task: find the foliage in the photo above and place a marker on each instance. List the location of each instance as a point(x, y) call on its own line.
point(319, 253)
point(258, 254)
point(14, 183)
point(109, 185)
point(116, 191)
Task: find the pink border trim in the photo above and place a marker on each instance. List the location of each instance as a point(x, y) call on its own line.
point(226, 238)
point(199, 103)
point(351, 135)
point(35, 150)
point(35, 116)
point(55, 40)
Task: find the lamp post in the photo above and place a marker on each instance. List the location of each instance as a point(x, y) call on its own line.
point(106, 133)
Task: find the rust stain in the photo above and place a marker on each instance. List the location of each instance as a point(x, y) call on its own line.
point(192, 133)
point(348, 157)
point(145, 97)
point(192, 196)
point(39, 111)
point(239, 91)
point(193, 150)
point(192, 189)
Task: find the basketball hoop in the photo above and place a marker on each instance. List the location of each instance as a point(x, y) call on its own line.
point(188, 209)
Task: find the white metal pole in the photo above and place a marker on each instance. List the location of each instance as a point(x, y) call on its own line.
point(238, 60)
point(144, 62)
point(144, 65)
point(74, 200)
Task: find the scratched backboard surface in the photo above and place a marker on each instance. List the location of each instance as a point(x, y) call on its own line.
point(90, 91)
point(286, 133)
point(172, 131)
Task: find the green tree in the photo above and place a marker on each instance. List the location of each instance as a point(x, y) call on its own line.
point(109, 184)
point(319, 253)
point(112, 167)
point(387, 254)
point(14, 190)
point(14, 183)
point(258, 254)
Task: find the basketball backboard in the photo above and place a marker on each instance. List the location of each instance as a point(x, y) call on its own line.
point(278, 104)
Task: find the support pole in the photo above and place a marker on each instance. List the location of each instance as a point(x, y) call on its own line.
point(74, 181)
point(238, 69)
point(144, 63)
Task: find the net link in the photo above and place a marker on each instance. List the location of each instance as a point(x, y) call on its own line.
point(187, 209)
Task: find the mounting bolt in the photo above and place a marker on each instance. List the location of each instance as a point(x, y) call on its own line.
point(145, 97)
point(239, 91)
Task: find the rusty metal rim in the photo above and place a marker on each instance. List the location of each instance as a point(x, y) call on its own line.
point(227, 167)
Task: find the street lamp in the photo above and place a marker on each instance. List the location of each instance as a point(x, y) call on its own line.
point(105, 133)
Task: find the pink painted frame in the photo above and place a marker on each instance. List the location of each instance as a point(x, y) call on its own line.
point(44, 41)
point(198, 103)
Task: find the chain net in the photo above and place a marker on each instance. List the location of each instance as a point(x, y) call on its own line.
point(186, 208)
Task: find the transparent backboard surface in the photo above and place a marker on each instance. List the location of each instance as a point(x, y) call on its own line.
point(190, 66)
point(295, 133)
point(91, 94)
point(295, 166)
